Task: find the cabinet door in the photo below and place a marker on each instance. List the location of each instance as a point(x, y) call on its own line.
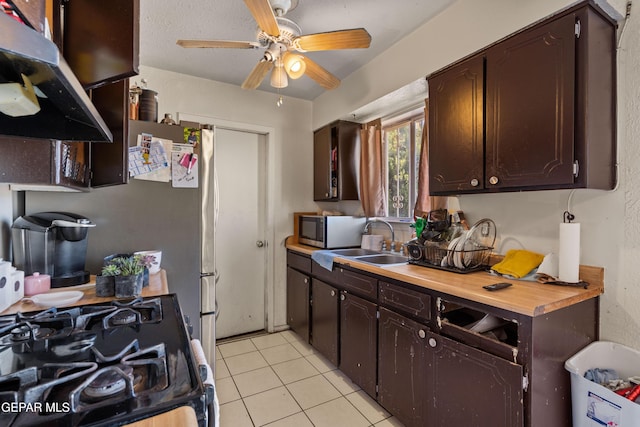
point(358, 341)
point(322, 164)
point(298, 302)
point(530, 108)
point(101, 40)
point(468, 387)
point(324, 319)
point(403, 367)
point(109, 160)
point(456, 140)
point(348, 134)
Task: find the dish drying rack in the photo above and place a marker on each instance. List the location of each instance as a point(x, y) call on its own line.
point(465, 253)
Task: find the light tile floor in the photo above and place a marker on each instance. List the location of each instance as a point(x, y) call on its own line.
point(278, 380)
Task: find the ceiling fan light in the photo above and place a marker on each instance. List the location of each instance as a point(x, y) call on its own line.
point(279, 78)
point(294, 65)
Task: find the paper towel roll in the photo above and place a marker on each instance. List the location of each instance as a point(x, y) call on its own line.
point(569, 253)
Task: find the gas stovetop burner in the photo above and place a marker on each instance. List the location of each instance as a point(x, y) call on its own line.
point(26, 333)
point(108, 383)
point(23, 333)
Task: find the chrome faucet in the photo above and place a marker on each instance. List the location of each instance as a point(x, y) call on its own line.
point(393, 236)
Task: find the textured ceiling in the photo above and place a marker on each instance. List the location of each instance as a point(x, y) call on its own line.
point(162, 22)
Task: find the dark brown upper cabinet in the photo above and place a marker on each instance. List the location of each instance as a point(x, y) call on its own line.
point(534, 111)
point(336, 154)
point(101, 39)
point(109, 162)
point(456, 138)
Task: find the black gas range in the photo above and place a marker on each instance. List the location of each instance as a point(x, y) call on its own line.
point(97, 365)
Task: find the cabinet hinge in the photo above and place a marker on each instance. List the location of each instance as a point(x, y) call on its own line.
point(311, 301)
point(576, 168)
point(577, 28)
point(525, 382)
point(378, 314)
point(376, 388)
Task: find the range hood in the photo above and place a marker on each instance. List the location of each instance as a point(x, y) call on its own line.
point(67, 112)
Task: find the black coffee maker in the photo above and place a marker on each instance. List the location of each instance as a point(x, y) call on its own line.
point(53, 243)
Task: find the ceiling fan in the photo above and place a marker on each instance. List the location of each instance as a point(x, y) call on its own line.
point(282, 39)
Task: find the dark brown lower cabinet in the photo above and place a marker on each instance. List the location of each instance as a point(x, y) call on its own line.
point(471, 388)
point(298, 302)
point(358, 341)
point(403, 368)
point(324, 319)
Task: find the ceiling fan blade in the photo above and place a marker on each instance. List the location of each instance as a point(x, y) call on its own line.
point(218, 43)
point(258, 74)
point(264, 16)
point(357, 38)
point(320, 75)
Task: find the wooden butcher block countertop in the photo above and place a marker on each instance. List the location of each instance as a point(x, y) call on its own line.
point(183, 416)
point(524, 297)
point(157, 286)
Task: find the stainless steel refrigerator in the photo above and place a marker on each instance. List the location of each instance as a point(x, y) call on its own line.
point(146, 215)
point(208, 222)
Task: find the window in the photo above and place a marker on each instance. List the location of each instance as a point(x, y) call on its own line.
point(402, 141)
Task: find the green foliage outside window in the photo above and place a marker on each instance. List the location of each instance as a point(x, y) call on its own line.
point(403, 143)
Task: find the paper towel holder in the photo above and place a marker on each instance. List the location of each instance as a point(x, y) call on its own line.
point(568, 216)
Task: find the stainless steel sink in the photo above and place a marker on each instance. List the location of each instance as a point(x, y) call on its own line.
point(383, 259)
point(373, 257)
point(352, 252)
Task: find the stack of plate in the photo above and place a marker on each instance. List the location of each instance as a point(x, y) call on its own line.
point(471, 249)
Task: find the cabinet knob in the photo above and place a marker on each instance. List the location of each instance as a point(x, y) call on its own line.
point(342, 297)
point(306, 280)
point(333, 293)
point(432, 342)
point(422, 333)
point(474, 182)
point(493, 180)
point(326, 195)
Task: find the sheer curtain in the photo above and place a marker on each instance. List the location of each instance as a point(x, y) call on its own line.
point(425, 202)
point(372, 183)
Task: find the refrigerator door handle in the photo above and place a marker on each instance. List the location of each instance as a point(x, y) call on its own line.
point(215, 275)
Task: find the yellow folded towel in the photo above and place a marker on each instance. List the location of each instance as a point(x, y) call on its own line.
point(518, 263)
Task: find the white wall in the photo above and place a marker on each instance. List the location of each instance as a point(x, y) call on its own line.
point(293, 153)
point(610, 227)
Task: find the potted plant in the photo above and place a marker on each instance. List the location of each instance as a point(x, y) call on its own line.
point(147, 262)
point(105, 283)
point(129, 282)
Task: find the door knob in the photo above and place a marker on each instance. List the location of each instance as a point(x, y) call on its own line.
point(260, 243)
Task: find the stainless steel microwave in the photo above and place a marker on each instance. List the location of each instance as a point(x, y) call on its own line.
point(331, 232)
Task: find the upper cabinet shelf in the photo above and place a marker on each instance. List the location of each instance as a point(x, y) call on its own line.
point(534, 111)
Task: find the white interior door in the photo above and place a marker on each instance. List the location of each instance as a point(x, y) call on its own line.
point(240, 162)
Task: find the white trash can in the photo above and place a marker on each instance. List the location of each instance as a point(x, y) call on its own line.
point(594, 405)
